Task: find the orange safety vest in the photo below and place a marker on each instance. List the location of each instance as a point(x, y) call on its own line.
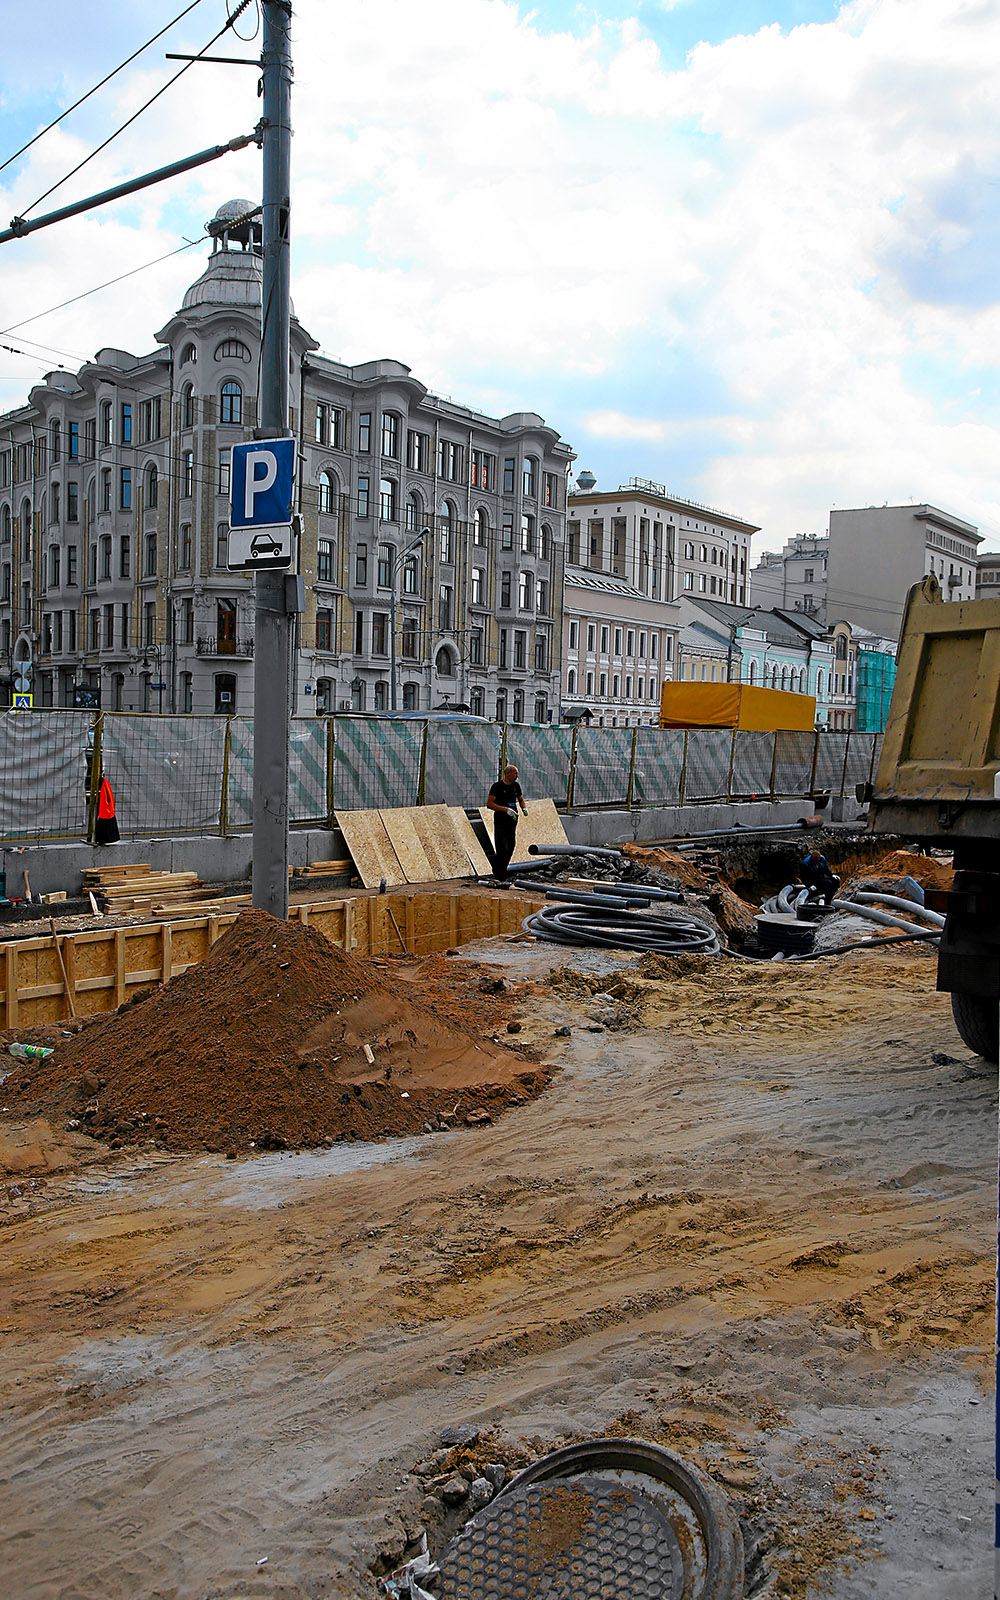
point(105, 801)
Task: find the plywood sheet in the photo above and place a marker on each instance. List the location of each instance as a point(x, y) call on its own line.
point(436, 831)
point(410, 853)
point(467, 841)
point(371, 848)
point(542, 825)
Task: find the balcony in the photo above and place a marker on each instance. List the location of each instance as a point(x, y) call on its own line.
point(214, 646)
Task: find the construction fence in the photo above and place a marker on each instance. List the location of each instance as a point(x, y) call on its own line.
point(189, 774)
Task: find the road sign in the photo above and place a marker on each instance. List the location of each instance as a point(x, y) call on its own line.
point(22, 678)
point(23, 702)
point(261, 482)
point(251, 549)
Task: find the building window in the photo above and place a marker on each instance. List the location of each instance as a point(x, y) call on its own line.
point(476, 647)
point(364, 490)
point(361, 566)
point(381, 695)
point(529, 482)
point(95, 629)
point(509, 466)
point(187, 622)
point(324, 561)
point(125, 498)
point(387, 499)
point(106, 555)
point(152, 487)
point(541, 708)
point(520, 647)
point(225, 456)
point(326, 493)
point(478, 586)
point(184, 547)
point(106, 414)
point(410, 575)
point(380, 633)
point(232, 350)
point(384, 568)
point(481, 474)
point(150, 566)
point(231, 404)
point(222, 544)
point(504, 635)
point(477, 702)
point(106, 489)
point(571, 681)
point(524, 588)
point(574, 635)
point(505, 581)
point(573, 543)
point(507, 532)
point(541, 653)
point(408, 639)
point(445, 596)
point(501, 705)
point(518, 705)
point(390, 434)
point(225, 694)
point(450, 460)
point(71, 577)
point(72, 502)
point(54, 554)
point(149, 420)
point(187, 406)
point(187, 473)
point(417, 451)
point(365, 432)
point(413, 508)
point(446, 547)
point(604, 685)
point(126, 424)
point(324, 630)
point(528, 534)
point(605, 640)
point(551, 489)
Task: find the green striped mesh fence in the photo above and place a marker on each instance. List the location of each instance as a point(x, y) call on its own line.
point(659, 763)
point(43, 773)
point(793, 763)
point(239, 789)
point(543, 755)
point(602, 765)
point(166, 772)
point(753, 759)
point(376, 764)
point(706, 772)
point(831, 760)
point(462, 762)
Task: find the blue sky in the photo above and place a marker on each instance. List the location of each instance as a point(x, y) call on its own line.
point(746, 249)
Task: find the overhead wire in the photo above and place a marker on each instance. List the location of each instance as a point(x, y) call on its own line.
point(241, 7)
point(189, 245)
point(107, 79)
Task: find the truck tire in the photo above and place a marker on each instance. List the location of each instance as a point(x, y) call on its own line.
point(978, 1023)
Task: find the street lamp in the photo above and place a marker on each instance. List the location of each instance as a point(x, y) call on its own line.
point(397, 561)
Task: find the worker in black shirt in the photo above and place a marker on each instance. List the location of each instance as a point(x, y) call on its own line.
point(504, 799)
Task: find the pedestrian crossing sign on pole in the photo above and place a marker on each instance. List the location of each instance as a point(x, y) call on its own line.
point(23, 702)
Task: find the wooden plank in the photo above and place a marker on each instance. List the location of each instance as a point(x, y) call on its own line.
point(119, 966)
point(167, 951)
point(12, 1018)
point(403, 836)
point(467, 841)
point(436, 833)
point(370, 847)
point(542, 825)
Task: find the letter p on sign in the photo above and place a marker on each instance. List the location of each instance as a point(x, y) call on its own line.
point(261, 481)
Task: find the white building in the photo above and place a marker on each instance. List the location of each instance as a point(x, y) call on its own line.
point(618, 646)
point(795, 579)
point(877, 552)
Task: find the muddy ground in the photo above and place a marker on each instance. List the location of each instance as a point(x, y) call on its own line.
point(752, 1216)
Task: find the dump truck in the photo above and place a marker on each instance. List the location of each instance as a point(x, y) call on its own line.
point(736, 705)
point(938, 783)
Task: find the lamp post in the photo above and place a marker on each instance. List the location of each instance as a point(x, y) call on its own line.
point(397, 562)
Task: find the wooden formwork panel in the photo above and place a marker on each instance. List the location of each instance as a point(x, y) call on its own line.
point(107, 966)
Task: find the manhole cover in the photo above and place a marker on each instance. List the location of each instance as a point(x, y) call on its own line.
point(589, 1539)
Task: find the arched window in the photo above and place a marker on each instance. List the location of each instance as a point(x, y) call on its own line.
point(571, 681)
point(446, 526)
point(545, 542)
point(231, 404)
point(411, 696)
point(26, 530)
point(753, 672)
point(152, 485)
point(784, 677)
point(187, 406)
point(56, 440)
point(232, 350)
point(482, 531)
point(414, 513)
point(327, 493)
point(411, 575)
point(819, 685)
point(444, 664)
point(5, 525)
point(541, 708)
point(189, 353)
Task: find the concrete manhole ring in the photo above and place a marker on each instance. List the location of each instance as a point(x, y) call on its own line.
point(607, 1519)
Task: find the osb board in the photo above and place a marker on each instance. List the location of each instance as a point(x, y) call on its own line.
point(405, 840)
point(437, 835)
point(468, 842)
point(542, 825)
point(371, 848)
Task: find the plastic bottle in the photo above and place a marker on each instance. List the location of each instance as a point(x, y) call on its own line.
point(28, 1052)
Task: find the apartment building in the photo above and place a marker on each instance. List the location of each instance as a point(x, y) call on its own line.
point(114, 497)
point(877, 552)
point(793, 579)
point(619, 646)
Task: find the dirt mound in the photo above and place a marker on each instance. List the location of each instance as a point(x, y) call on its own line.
point(928, 871)
point(277, 1039)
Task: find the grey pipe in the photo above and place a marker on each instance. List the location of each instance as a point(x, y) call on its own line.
point(884, 917)
point(581, 897)
point(572, 850)
point(868, 897)
point(631, 890)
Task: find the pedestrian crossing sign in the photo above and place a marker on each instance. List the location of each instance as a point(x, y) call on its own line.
point(23, 702)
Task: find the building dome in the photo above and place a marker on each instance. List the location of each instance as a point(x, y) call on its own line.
point(228, 212)
point(232, 278)
point(586, 481)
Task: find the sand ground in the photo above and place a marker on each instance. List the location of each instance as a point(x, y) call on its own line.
point(756, 1222)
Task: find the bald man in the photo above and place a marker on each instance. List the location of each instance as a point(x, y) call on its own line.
point(504, 799)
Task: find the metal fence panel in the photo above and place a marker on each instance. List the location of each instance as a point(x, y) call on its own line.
point(307, 769)
point(793, 767)
point(830, 762)
point(166, 772)
point(859, 760)
point(463, 762)
point(43, 774)
point(542, 756)
point(239, 788)
point(709, 753)
point(376, 764)
point(753, 761)
point(659, 761)
point(603, 759)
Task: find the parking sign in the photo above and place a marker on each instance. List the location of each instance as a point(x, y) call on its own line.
point(261, 483)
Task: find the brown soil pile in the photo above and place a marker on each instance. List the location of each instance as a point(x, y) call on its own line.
point(277, 1039)
point(671, 862)
point(928, 871)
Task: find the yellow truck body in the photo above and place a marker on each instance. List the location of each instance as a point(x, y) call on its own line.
point(736, 705)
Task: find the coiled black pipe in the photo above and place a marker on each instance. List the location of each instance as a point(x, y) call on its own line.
point(616, 929)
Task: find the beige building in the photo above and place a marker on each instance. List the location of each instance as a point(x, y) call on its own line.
point(877, 552)
point(618, 647)
point(988, 575)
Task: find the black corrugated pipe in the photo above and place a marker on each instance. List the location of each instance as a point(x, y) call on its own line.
point(585, 897)
point(572, 850)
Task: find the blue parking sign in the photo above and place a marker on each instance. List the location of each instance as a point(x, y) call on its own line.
point(261, 482)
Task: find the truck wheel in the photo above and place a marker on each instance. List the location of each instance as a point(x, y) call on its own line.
point(978, 1022)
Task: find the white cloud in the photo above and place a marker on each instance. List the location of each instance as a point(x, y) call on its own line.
point(794, 215)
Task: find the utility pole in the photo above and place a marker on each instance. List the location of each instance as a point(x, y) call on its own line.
point(272, 654)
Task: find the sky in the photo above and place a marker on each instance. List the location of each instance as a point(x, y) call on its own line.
point(745, 248)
